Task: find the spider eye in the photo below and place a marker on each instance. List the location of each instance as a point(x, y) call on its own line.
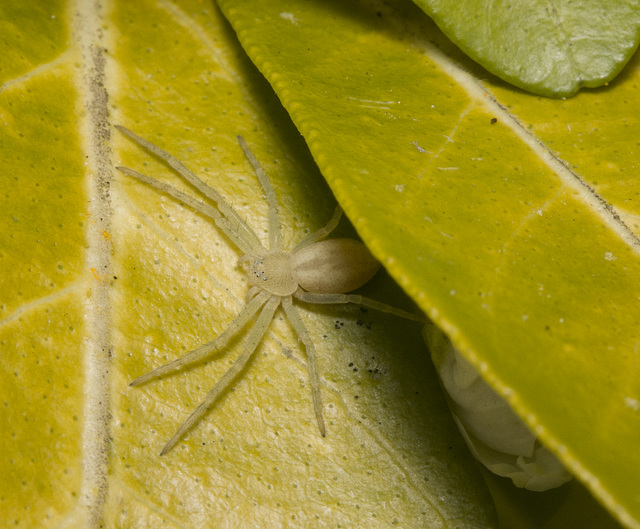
point(270, 272)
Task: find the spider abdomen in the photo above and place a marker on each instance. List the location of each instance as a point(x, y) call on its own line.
point(333, 266)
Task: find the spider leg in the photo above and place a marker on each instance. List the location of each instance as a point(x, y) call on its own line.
point(275, 242)
point(327, 299)
point(197, 205)
point(256, 334)
point(233, 221)
point(213, 346)
point(312, 363)
point(322, 232)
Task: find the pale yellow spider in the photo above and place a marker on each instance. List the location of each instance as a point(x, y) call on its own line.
point(315, 271)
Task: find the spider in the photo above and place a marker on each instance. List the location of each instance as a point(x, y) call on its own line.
point(315, 271)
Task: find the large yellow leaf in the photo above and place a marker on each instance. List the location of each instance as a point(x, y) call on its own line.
point(458, 184)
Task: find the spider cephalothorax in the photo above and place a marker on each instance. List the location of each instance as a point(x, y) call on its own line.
point(315, 271)
point(271, 272)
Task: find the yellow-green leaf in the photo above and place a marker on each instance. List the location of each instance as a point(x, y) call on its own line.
point(105, 278)
point(510, 219)
point(44, 281)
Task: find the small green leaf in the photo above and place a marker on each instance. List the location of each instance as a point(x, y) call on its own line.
point(547, 48)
